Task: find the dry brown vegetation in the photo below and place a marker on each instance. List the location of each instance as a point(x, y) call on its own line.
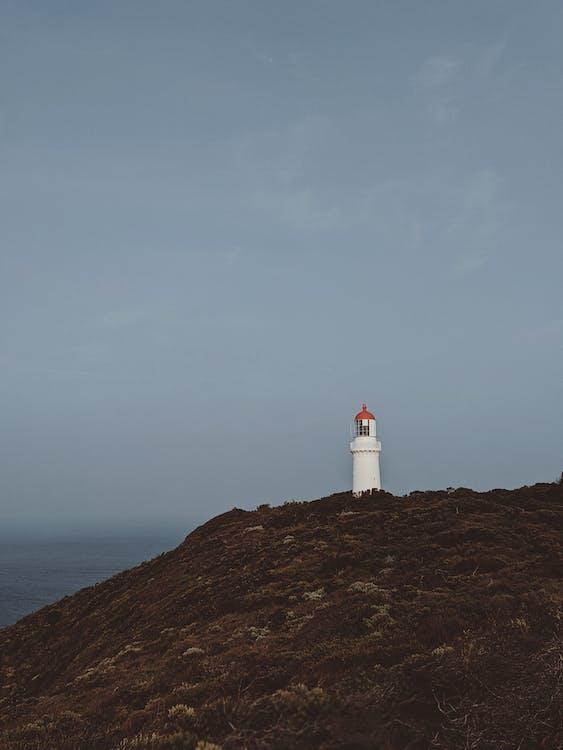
point(429, 621)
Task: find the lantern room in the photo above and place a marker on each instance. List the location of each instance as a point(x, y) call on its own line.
point(364, 423)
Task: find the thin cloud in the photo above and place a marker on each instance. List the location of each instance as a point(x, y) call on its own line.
point(467, 265)
point(443, 113)
point(490, 57)
point(437, 72)
point(552, 330)
point(124, 318)
point(23, 368)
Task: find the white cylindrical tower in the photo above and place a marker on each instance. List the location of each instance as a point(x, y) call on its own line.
point(365, 449)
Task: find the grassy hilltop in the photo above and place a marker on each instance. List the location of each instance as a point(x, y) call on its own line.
point(429, 621)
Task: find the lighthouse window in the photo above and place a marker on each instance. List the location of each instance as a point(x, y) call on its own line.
point(363, 429)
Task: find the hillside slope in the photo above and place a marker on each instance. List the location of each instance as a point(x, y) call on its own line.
point(385, 622)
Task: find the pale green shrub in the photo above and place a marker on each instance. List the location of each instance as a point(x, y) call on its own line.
point(181, 711)
point(314, 596)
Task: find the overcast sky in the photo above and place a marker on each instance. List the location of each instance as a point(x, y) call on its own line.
point(223, 225)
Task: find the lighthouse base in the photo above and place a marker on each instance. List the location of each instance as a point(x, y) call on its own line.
point(359, 493)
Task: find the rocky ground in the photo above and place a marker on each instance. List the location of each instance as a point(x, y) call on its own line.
point(427, 621)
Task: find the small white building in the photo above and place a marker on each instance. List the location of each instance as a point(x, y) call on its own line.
point(365, 449)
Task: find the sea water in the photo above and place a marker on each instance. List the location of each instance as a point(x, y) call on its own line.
point(37, 569)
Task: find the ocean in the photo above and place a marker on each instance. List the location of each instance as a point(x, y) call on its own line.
point(38, 569)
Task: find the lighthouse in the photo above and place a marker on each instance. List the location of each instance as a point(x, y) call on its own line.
point(365, 449)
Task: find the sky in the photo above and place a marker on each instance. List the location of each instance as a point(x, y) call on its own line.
point(224, 225)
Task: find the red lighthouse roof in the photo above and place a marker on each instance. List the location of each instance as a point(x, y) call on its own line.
point(364, 414)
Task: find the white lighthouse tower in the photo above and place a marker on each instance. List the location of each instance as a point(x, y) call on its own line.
point(365, 449)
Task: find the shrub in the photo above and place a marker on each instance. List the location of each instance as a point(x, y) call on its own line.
point(258, 633)
point(380, 617)
point(154, 741)
point(368, 587)
point(314, 596)
point(141, 740)
point(300, 700)
point(181, 711)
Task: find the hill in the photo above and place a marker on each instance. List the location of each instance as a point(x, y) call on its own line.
point(429, 621)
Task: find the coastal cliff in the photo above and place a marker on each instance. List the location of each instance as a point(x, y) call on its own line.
point(425, 621)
